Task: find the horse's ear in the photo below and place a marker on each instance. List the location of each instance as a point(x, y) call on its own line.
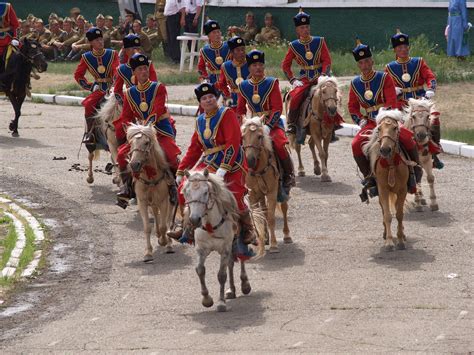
point(186, 173)
point(206, 173)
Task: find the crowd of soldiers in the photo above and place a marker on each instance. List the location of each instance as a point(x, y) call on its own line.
point(268, 34)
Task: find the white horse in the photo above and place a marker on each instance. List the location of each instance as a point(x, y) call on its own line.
point(418, 119)
point(212, 210)
point(104, 119)
point(151, 177)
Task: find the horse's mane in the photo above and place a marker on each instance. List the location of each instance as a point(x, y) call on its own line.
point(149, 132)
point(371, 148)
point(224, 197)
point(109, 110)
point(415, 103)
point(323, 80)
point(257, 121)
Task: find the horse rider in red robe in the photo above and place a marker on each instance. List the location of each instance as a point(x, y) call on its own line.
point(8, 31)
point(312, 55)
point(261, 94)
point(369, 92)
point(101, 64)
point(413, 78)
point(124, 75)
point(233, 72)
point(145, 103)
point(216, 146)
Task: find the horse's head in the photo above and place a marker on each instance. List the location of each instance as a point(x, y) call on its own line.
point(31, 49)
point(418, 119)
point(254, 140)
point(388, 131)
point(327, 94)
point(197, 194)
point(142, 141)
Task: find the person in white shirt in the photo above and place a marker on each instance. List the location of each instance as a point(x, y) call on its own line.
point(193, 11)
point(175, 20)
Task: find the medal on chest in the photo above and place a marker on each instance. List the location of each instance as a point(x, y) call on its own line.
point(368, 94)
point(256, 98)
point(101, 69)
point(309, 55)
point(406, 77)
point(219, 60)
point(239, 80)
point(207, 131)
point(143, 106)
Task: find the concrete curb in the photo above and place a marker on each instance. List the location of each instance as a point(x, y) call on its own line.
point(348, 130)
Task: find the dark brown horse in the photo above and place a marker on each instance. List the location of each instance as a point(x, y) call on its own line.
point(16, 77)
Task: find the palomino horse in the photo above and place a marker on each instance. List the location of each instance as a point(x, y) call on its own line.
point(418, 120)
point(105, 130)
point(212, 210)
point(263, 176)
point(391, 172)
point(319, 116)
point(151, 178)
point(15, 78)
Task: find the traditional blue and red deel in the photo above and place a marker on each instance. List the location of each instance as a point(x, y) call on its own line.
point(300, 49)
point(223, 157)
point(126, 73)
point(263, 89)
point(412, 67)
point(4, 8)
point(94, 62)
point(210, 54)
point(136, 96)
point(231, 73)
point(374, 84)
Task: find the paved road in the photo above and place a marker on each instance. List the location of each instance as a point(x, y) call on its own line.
point(333, 290)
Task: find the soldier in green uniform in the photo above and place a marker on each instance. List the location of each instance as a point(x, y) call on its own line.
point(247, 31)
point(269, 34)
point(151, 31)
point(50, 48)
point(160, 18)
point(144, 40)
point(70, 37)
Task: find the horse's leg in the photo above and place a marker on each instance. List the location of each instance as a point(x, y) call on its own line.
point(326, 142)
point(245, 285)
point(322, 157)
point(201, 271)
point(272, 201)
point(113, 156)
point(301, 171)
point(222, 277)
point(384, 200)
point(90, 173)
point(143, 208)
point(316, 166)
point(431, 179)
point(286, 231)
point(16, 102)
point(230, 294)
point(418, 198)
point(399, 214)
point(165, 221)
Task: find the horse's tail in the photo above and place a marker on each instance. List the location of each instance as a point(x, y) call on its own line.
point(260, 224)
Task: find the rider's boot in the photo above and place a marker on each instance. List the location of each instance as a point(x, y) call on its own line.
point(370, 185)
point(436, 138)
point(291, 121)
point(126, 189)
point(288, 174)
point(334, 138)
point(248, 231)
point(415, 176)
point(89, 134)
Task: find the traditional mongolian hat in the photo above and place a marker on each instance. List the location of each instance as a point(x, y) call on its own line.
point(399, 38)
point(255, 56)
point(131, 41)
point(204, 89)
point(235, 42)
point(210, 26)
point(137, 60)
point(302, 18)
point(361, 51)
point(93, 33)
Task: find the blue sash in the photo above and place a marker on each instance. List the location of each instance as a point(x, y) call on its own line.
point(209, 55)
point(126, 73)
point(299, 49)
point(413, 68)
point(375, 85)
point(93, 64)
point(230, 72)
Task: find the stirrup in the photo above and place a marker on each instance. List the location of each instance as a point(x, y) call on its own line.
point(291, 129)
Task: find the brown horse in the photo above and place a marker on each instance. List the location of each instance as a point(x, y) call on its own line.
point(318, 116)
point(151, 178)
point(263, 176)
point(418, 120)
point(391, 172)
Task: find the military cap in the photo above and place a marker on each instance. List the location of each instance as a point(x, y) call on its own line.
point(100, 17)
point(361, 51)
point(38, 20)
point(53, 15)
point(150, 16)
point(53, 22)
point(235, 42)
point(131, 41)
point(268, 15)
point(302, 18)
point(108, 17)
point(137, 60)
point(60, 19)
point(399, 38)
point(130, 12)
point(210, 26)
point(250, 13)
point(75, 10)
point(255, 56)
point(93, 33)
point(68, 19)
point(30, 17)
point(80, 17)
point(204, 89)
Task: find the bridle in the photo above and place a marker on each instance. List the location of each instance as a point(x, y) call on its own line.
point(259, 149)
point(425, 125)
point(394, 140)
point(31, 59)
point(146, 152)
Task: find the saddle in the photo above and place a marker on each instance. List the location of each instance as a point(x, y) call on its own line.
point(303, 118)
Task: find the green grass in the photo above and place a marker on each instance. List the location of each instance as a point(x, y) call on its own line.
point(27, 254)
point(459, 135)
point(8, 243)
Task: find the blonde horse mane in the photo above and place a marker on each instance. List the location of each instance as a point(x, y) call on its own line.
point(224, 197)
point(257, 121)
point(134, 131)
point(413, 104)
point(109, 111)
point(316, 90)
point(371, 148)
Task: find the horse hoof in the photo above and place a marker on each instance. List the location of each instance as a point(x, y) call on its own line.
point(169, 250)
point(207, 301)
point(273, 250)
point(423, 202)
point(401, 246)
point(326, 178)
point(301, 173)
point(246, 288)
point(419, 208)
point(287, 240)
point(317, 171)
point(162, 241)
point(221, 307)
point(434, 208)
point(147, 258)
point(116, 181)
point(15, 134)
point(230, 295)
point(90, 179)
point(389, 247)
